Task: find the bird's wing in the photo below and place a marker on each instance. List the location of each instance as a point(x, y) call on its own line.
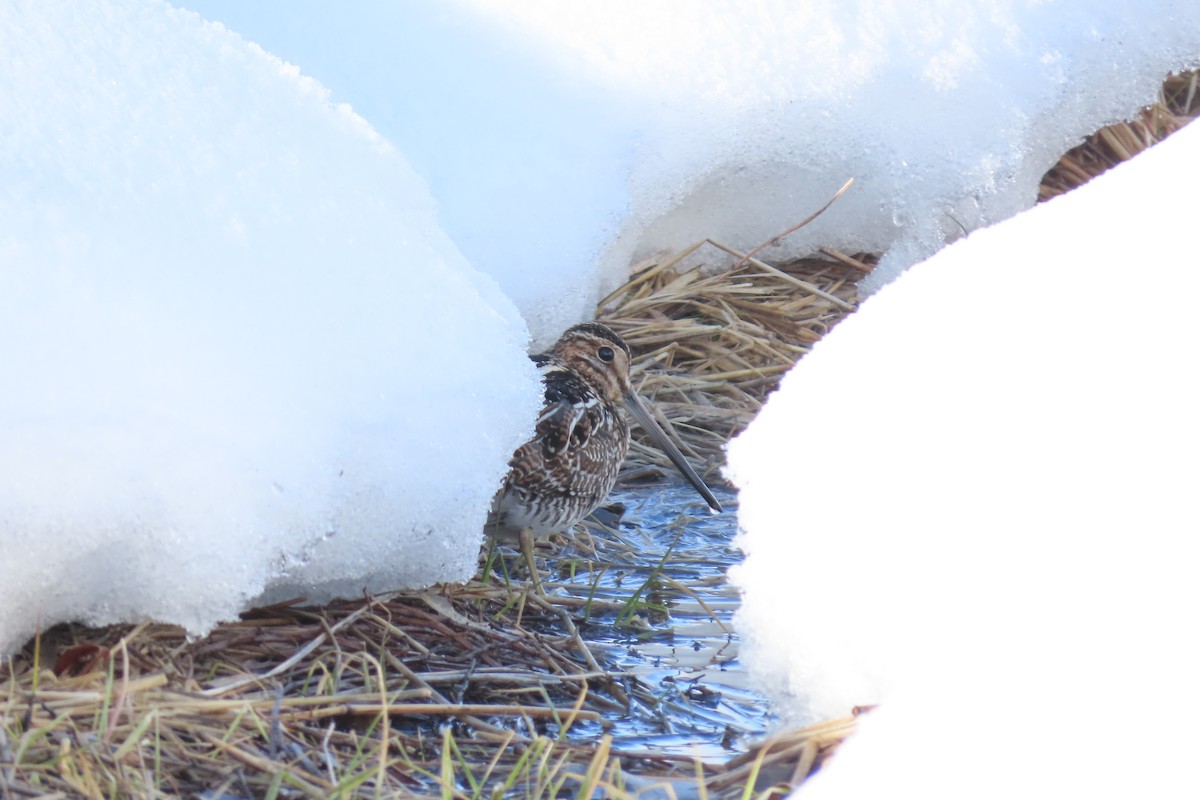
point(571, 412)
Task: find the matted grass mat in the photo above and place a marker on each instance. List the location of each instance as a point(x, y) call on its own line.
point(712, 332)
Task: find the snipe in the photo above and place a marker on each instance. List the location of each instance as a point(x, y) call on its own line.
point(570, 465)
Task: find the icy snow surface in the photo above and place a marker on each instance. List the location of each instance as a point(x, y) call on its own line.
point(238, 353)
point(976, 501)
point(562, 140)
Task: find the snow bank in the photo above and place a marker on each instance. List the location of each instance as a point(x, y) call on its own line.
point(528, 160)
point(975, 501)
point(239, 354)
point(563, 141)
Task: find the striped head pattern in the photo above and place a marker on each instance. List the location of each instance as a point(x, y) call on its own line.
point(597, 355)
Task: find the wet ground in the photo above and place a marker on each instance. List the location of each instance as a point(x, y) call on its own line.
point(666, 562)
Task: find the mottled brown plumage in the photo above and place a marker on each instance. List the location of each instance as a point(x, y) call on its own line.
point(571, 463)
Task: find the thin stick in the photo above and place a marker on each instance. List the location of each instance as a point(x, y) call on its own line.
point(467, 710)
point(268, 766)
point(808, 287)
point(283, 666)
point(775, 239)
point(852, 263)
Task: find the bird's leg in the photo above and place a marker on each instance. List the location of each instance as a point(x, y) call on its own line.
point(526, 539)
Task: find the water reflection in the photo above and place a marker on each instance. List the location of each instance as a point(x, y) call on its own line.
point(675, 644)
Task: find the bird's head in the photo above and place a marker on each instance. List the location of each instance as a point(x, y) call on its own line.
point(599, 356)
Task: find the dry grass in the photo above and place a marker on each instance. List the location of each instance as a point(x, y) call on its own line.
point(475, 691)
point(1178, 104)
point(465, 692)
point(337, 701)
point(711, 342)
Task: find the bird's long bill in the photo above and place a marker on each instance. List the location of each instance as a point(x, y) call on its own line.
point(651, 426)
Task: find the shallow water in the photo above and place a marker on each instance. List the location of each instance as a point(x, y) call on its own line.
point(679, 653)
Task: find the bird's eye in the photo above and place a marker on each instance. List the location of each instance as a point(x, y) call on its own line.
point(606, 354)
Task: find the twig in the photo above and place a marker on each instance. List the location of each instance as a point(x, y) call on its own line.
point(809, 287)
point(775, 239)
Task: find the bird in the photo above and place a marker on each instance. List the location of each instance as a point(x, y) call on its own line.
point(570, 465)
